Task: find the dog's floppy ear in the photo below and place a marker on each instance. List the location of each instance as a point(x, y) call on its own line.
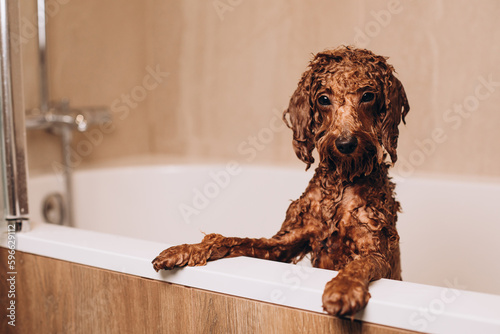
point(298, 117)
point(396, 107)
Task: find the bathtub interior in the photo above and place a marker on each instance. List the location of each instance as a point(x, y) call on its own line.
point(448, 228)
point(178, 204)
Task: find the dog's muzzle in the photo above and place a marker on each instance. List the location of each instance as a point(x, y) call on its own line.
point(346, 144)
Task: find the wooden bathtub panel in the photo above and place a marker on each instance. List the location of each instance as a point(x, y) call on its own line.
point(55, 296)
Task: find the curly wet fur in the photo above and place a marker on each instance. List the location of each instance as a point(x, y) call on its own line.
point(346, 218)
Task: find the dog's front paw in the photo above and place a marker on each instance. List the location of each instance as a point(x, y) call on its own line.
point(345, 296)
point(180, 256)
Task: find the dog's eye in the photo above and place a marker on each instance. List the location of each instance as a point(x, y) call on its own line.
point(324, 100)
point(367, 97)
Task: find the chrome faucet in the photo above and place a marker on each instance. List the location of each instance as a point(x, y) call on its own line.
point(61, 115)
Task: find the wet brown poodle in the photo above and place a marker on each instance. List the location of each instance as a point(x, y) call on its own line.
point(348, 106)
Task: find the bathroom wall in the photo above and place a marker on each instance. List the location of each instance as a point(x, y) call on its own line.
point(208, 80)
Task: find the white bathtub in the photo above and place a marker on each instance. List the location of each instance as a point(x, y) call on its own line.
point(449, 230)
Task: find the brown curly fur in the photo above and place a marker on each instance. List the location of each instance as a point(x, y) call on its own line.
point(346, 218)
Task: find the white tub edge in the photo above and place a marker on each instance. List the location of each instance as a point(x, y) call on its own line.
point(393, 303)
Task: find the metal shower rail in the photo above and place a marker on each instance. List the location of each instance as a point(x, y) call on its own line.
point(13, 138)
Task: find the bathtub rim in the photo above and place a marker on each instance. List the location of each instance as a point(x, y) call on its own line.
point(145, 161)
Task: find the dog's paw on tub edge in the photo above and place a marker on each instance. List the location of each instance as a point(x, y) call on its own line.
point(345, 297)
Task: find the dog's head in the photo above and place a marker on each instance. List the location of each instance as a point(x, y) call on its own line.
point(348, 106)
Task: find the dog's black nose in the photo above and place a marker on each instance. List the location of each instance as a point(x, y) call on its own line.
point(346, 145)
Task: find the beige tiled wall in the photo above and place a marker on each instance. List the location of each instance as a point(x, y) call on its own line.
point(208, 80)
